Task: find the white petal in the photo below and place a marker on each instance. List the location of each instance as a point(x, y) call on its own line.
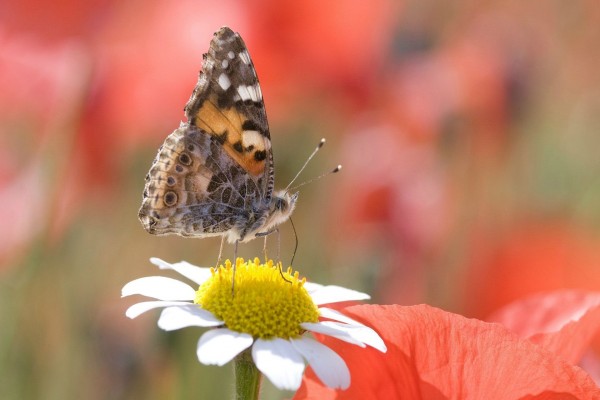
point(195, 274)
point(219, 346)
point(140, 308)
point(365, 335)
point(335, 294)
point(279, 362)
point(358, 333)
point(327, 364)
point(159, 287)
point(333, 331)
point(189, 315)
point(330, 313)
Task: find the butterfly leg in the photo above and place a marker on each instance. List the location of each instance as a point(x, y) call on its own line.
point(278, 245)
point(265, 250)
point(220, 251)
point(235, 250)
point(279, 256)
point(265, 234)
point(279, 263)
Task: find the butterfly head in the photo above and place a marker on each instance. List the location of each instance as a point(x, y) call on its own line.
point(282, 206)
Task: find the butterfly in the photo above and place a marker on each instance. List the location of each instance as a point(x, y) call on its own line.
point(214, 175)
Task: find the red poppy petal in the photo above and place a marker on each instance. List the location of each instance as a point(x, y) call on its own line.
point(564, 322)
point(433, 354)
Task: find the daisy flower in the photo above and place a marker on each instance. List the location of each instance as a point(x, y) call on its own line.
point(263, 322)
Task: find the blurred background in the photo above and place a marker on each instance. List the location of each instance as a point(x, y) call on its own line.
point(468, 133)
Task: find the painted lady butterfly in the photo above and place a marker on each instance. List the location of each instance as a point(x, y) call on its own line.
point(213, 176)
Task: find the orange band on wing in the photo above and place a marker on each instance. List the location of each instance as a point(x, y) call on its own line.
point(248, 148)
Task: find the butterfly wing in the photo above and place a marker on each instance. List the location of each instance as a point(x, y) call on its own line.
point(212, 170)
point(227, 103)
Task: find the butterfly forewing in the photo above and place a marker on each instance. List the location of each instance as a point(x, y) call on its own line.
point(227, 103)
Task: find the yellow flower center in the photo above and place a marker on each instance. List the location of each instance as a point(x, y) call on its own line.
point(263, 303)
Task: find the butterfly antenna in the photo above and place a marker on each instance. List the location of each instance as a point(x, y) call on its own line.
point(321, 143)
point(333, 171)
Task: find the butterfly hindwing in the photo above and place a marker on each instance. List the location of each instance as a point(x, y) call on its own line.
point(194, 188)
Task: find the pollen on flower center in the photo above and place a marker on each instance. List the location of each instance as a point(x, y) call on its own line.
point(263, 303)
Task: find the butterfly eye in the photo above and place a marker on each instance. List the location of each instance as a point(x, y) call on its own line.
point(280, 204)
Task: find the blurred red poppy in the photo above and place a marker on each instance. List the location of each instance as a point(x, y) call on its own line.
point(530, 258)
point(434, 354)
point(309, 51)
point(149, 57)
point(398, 200)
point(57, 21)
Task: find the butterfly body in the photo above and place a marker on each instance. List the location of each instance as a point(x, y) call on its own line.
point(214, 175)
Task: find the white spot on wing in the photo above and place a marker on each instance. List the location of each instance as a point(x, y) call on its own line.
point(251, 92)
point(231, 54)
point(255, 92)
point(253, 138)
point(258, 91)
point(244, 93)
point(225, 64)
point(224, 82)
point(245, 57)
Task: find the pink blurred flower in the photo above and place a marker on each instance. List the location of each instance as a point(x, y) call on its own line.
point(563, 321)
point(42, 91)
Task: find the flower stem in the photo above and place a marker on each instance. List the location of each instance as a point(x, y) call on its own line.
point(247, 377)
